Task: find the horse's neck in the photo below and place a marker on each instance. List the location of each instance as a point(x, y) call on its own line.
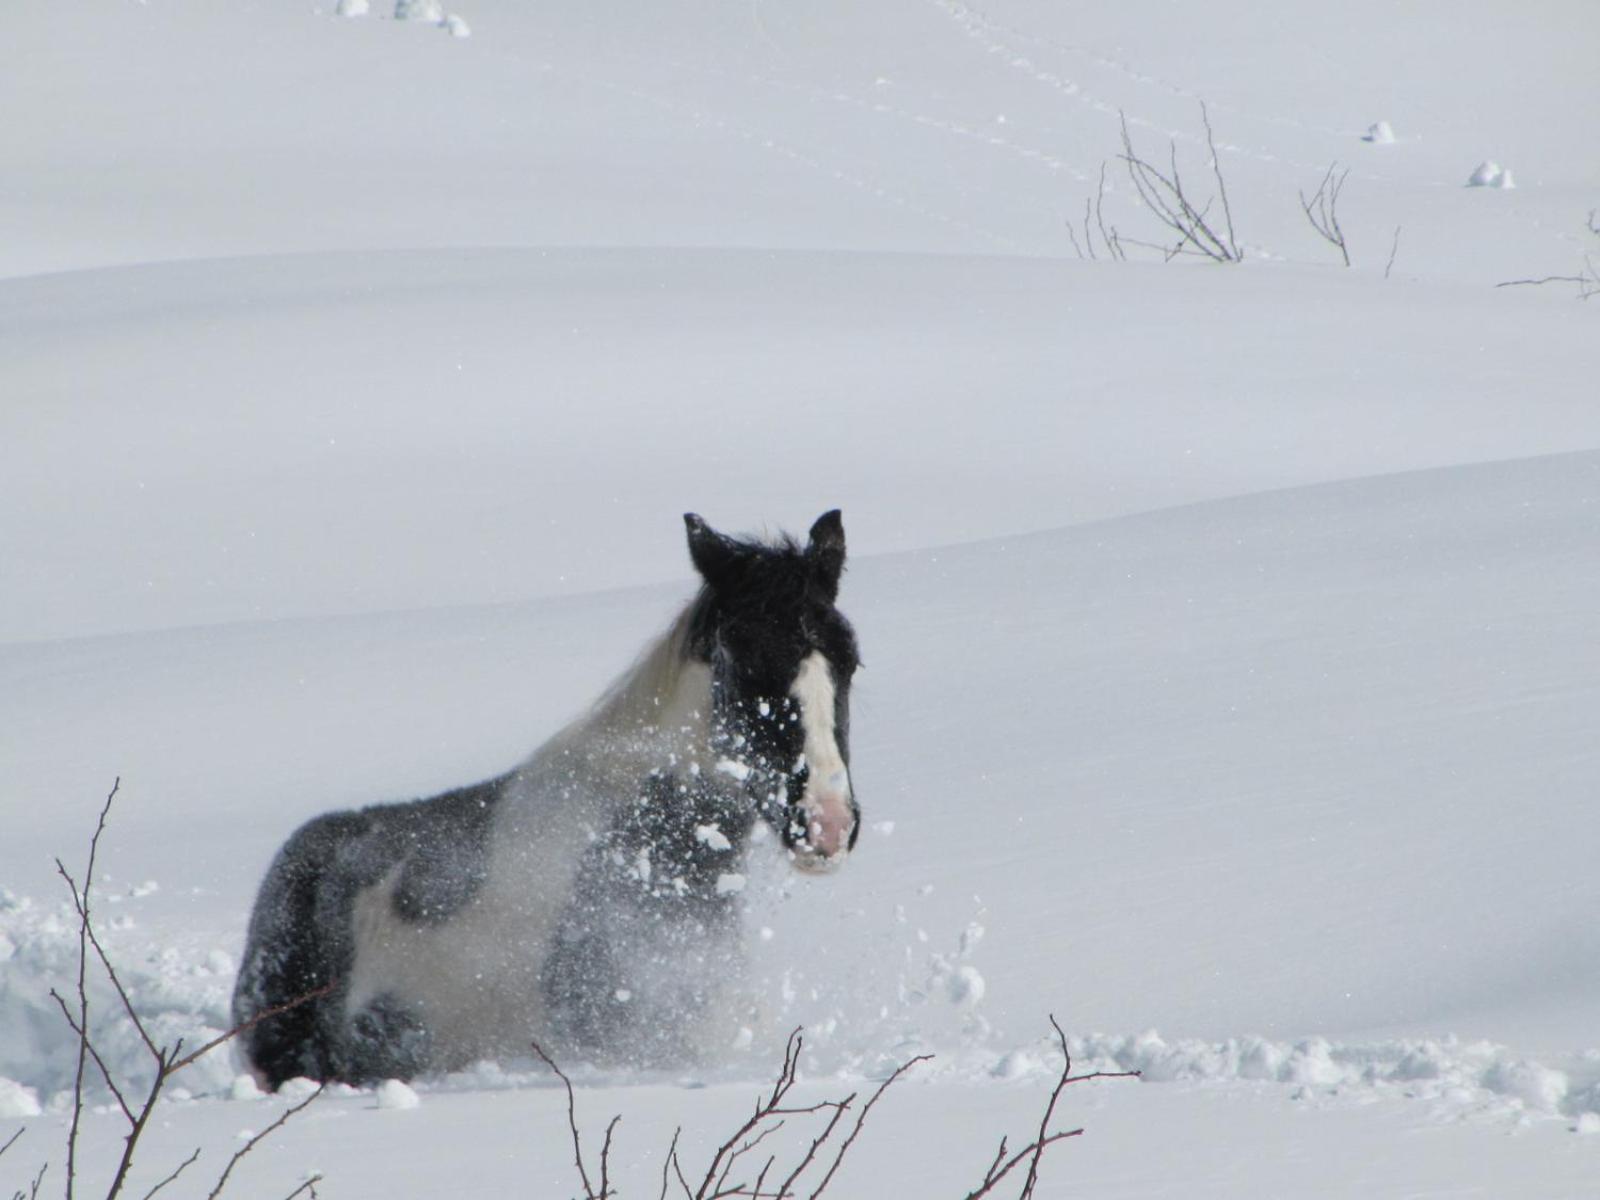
point(656, 718)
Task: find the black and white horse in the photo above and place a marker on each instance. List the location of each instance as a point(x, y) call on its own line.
point(591, 897)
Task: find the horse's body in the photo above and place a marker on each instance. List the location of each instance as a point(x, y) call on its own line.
point(590, 897)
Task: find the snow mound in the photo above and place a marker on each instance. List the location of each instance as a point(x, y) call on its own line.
point(395, 1094)
point(176, 996)
point(1472, 1075)
point(430, 12)
point(1491, 174)
point(1380, 133)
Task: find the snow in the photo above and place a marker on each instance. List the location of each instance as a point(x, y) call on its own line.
point(393, 1094)
point(1490, 174)
point(1231, 650)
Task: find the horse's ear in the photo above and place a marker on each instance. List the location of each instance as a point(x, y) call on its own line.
point(712, 554)
point(825, 549)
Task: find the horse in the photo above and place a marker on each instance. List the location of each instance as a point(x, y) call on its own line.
point(590, 897)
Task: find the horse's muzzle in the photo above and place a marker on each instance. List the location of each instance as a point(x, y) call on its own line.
point(824, 828)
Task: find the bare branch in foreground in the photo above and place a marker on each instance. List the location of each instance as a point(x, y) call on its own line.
point(770, 1114)
point(283, 1119)
point(1001, 1166)
point(577, 1141)
point(166, 1060)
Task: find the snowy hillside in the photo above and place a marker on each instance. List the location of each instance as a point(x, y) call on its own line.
point(1230, 643)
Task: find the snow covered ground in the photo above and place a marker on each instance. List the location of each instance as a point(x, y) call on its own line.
point(1232, 660)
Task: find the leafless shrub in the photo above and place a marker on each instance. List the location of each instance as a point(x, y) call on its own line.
point(1322, 209)
point(1588, 279)
point(167, 1060)
point(728, 1175)
point(1165, 195)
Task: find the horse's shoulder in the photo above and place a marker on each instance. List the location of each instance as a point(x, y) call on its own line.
point(443, 846)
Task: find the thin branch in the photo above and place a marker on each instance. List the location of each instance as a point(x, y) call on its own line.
point(83, 1041)
point(1049, 1110)
point(33, 1188)
point(572, 1118)
point(309, 1186)
point(1109, 238)
point(245, 1026)
point(166, 1059)
point(1072, 234)
point(605, 1158)
point(1222, 187)
point(135, 1131)
point(82, 905)
point(1394, 249)
point(181, 1168)
point(1033, 1152)
point(769, 1107)
point(81, 902)
point(861, 1117)
point(816, 1144)
point(261, 1137)
point(1322, 209)
point(672, 1157)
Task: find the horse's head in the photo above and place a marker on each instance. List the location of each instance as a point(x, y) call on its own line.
point(781, 657)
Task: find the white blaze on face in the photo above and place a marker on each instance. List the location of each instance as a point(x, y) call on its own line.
point(827, 799)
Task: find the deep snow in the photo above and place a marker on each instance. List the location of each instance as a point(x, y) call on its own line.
point(1230, 634)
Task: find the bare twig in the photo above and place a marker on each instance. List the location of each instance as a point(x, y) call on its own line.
point(1072, 234)
point(1588, 282)
point(82, 905)
point(38, 1179)
point(1394, 249)
point(179, 1170)
point(572, 1124)
point(1001, 1166)
point(1109, 237)
point(767, 1118)
point(309, 1187)
point(250, 1145)
point(1322, 209)
point(861, 1117)
point(165, 1060)
point(1588, 279)
point(245, 1026)
point(670, 1160)
point(1222, 187)
point(33, 1187)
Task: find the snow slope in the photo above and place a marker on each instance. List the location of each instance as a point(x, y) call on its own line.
point(1230, 633)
